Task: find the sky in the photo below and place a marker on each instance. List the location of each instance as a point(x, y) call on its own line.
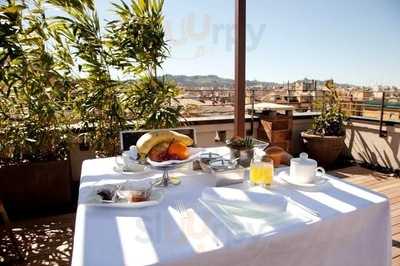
point(356, 41)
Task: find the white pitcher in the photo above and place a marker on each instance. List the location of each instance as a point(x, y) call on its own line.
point(305, 170)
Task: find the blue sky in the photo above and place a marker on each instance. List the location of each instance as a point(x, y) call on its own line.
point(356, 41)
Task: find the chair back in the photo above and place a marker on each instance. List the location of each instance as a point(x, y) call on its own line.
point(130, 137)
point(3, 214)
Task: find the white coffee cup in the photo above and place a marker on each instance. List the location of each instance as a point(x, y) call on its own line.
point(133, 154)
point(304, 170)
point(127, 163)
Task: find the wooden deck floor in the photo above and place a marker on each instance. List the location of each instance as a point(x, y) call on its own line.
point(390, 186)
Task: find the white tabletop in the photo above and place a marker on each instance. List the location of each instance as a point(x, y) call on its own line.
point(353, 227)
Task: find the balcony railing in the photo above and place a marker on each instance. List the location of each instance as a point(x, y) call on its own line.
point(210, 102)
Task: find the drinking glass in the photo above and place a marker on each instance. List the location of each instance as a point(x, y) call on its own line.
point(261, 172)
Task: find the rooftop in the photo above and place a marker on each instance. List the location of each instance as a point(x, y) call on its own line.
point(76, 94)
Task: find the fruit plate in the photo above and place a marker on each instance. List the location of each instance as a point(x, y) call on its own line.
point(193, 154)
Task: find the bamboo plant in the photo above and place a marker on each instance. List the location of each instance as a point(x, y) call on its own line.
point(34, 121)
point(59, 72)
point(139, 47)
point(97, 97)
point(133, 44)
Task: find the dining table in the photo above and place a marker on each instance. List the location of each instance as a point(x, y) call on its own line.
point(334, 224)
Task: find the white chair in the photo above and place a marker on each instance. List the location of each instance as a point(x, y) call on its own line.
point(10, 233)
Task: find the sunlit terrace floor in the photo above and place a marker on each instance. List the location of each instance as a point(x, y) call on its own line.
point(42, 241)
point(387, 185)
point(48, 241)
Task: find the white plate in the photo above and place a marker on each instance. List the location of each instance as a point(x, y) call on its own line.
point(194, 153)
point(156, 198)
point(317, 182)
point(243, 222)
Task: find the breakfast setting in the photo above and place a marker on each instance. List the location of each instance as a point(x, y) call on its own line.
point(164, 190)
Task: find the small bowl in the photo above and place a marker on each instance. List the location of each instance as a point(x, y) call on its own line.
point(221, 165)
point(208, 157)
point(107, 193)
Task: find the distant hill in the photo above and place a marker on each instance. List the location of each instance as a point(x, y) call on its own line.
point(215, 81)
point(211, 81)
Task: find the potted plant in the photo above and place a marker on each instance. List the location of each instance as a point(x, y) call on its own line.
point(325, 140)
point(34, 134)
point(241, 149)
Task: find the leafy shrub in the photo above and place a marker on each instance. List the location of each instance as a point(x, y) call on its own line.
point(331, 120)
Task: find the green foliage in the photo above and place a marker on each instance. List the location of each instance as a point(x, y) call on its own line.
point(138, 46)
point(318, 105)
point(98, 100)
point(153, 103)
point(57, 71)
point(239, 143)
point(135, 44)
point(33, 114)
point(331, 120)
point(137, 38)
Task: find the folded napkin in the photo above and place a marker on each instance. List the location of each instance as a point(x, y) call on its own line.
point(227, 178)
point(263, 201)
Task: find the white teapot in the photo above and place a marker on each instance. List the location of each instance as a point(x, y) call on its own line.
point(304, 170)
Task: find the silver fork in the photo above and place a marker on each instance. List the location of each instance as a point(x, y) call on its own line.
point(181, 209)
point(184, 213)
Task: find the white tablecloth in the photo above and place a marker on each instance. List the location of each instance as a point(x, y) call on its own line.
point(353, 228)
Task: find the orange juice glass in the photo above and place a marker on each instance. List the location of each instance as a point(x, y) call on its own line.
point(261, 172)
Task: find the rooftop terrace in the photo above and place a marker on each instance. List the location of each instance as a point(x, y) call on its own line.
point(62, 106)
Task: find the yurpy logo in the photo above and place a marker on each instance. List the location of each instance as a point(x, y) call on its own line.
point(199, 35)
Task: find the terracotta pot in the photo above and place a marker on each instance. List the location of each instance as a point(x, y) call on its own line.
point(35, 187)
point(324, 149)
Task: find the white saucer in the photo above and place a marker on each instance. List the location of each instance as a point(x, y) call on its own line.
point(317, 182)
point(127, 171)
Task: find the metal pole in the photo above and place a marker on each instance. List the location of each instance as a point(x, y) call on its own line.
point(381, 133)
point(240, 67)
point(253, 99)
